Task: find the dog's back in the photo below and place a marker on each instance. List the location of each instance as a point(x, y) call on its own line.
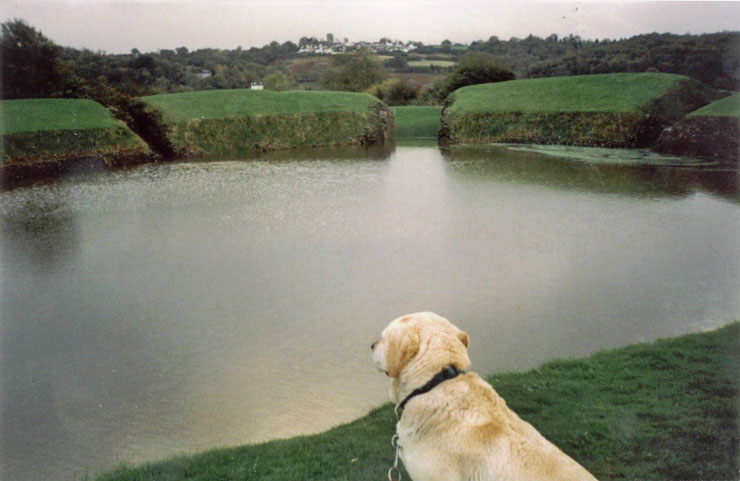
point(463, 430)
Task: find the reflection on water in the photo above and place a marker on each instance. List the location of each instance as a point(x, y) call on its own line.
point(178, 307)
point(584, 168)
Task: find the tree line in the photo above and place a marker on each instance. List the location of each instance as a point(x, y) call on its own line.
point(711, 58)
point(35, 66)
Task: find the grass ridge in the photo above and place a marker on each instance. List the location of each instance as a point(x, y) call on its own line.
point(726, 107)
point(35, 115)
point(228, 103)
point(613, 93)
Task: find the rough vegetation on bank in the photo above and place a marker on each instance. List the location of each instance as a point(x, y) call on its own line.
point(666, 410)
point(609, 110)
point(711, 132)
point(228, 122)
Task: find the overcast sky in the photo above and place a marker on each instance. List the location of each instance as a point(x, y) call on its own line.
point(120, 25)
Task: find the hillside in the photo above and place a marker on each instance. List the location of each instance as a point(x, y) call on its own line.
point(228, 122)
point(615, 110)
point(710, 58)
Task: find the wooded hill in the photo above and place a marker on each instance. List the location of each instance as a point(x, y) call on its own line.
point(28, 57)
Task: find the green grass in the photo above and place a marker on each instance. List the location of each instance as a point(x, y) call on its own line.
point(609, 110)
point(727, 107)
point(33, 115)
point(220, 104)
point(613, 93)
point(51, 129)
point(417, 121)
point(661, 411)
point(241, 121)
point(431, 63)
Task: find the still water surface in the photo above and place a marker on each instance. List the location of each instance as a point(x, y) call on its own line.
point(178, 307)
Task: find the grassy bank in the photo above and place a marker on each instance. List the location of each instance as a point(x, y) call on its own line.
point(711, 132)
point(727, 107)
point(661, 411)
point(610, 110)
point(44, 129)
point(417, 121)
point(224, 122)
point(49, 138)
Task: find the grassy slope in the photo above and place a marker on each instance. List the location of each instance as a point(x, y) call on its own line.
point(727, 107)
point(218, 104)
point(31, 115)
point(609, 110)
point(628, 92)
point(662, 411)
point(53, 129)
point(240, 121)
point(417, 121)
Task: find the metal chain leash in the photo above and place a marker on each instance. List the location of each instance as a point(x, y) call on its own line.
point(394, 469)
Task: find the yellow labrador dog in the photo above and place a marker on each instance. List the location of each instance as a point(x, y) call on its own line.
point(453, 426)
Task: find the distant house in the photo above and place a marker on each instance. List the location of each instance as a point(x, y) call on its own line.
point(257, 86)
point(386, 45)
point(204, 74)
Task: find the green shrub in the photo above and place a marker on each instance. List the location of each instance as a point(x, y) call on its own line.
point(395, 91)
point(354, 72)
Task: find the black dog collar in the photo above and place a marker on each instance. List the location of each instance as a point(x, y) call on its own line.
point(450, 372)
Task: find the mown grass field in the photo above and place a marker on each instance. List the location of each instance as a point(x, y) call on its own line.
point(661, 411)
point(727, 107)
point(610, 93)
point(32, 115)
point(417, 121)
point(432, 63)
point(220, 104)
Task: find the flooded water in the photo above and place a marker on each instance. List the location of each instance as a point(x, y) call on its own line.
point(179, 307)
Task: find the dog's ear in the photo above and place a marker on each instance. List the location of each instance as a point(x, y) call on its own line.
point(401, 349)
point(463, 337)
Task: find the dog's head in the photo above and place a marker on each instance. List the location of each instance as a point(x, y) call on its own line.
point(423, 337)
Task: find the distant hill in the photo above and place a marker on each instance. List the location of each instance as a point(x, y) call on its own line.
point(711, 58)
point(27, 64)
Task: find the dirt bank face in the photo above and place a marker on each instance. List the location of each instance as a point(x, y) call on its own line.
point(715, 137)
